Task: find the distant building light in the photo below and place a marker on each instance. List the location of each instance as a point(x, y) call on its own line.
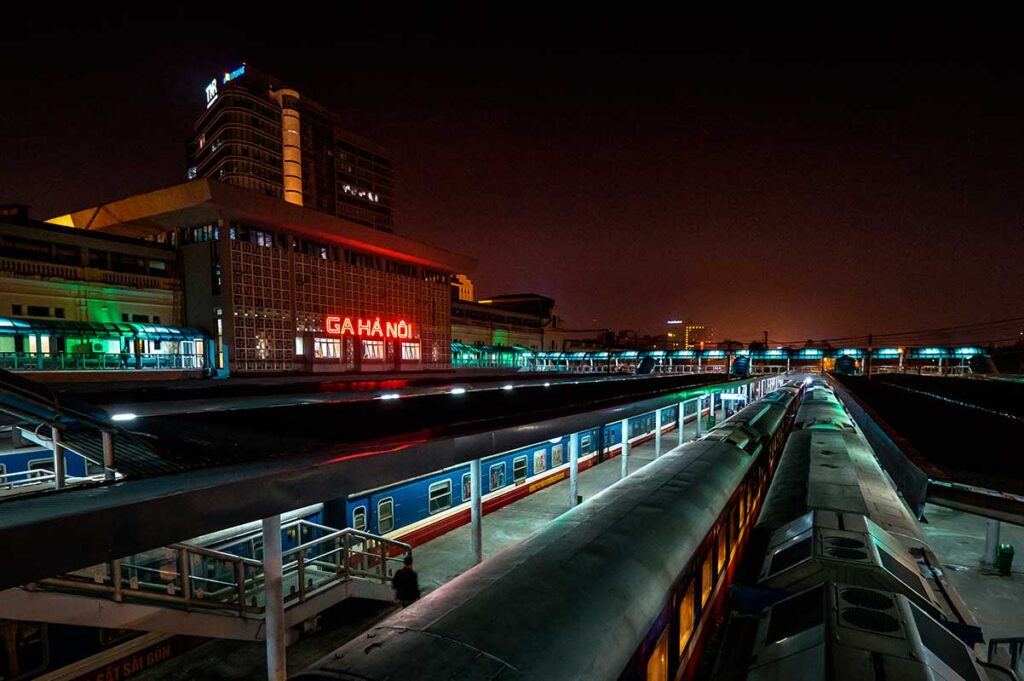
point(674, 321)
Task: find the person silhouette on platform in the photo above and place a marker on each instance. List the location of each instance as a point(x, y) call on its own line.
point(406, 584)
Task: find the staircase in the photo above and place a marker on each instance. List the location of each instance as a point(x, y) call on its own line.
point(190, 589)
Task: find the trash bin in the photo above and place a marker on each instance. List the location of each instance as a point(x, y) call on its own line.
point(1004, 559)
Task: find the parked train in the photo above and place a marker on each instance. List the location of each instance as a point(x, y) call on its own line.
point(412, 511)
point(840, 582)
point(628, 585)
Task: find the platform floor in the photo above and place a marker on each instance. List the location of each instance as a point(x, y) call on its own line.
point(958, 539)
point(437, 562)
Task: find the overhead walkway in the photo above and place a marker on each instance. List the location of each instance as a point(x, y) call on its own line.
point(190, 589)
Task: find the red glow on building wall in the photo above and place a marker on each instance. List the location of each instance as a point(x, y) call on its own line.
point(367, 328)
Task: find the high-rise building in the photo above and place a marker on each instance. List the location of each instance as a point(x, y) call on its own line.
point(258, 134)
point(698, 336)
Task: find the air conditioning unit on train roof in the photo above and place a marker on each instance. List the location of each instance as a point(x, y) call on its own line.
point(825, 546)
point(838, 631)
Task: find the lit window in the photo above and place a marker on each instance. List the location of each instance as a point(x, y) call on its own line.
point(385, 515)
point(657, 663)
point(706, 580)
point(497, 472)
point(439, 496)
point(411, 351)
point(685, 617)
point(721, 550)
point(373, 349)
point(540, 462)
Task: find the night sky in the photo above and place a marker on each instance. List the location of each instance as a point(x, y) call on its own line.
point(638, 167)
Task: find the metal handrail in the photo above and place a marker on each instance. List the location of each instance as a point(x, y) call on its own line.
point(1014, 643)
point(317, 564)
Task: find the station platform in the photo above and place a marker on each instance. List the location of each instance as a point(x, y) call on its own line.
point(437, 562)
point(958, 538)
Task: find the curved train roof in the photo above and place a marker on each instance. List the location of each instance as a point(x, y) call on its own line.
point(597, 576)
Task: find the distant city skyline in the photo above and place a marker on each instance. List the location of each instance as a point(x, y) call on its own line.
point(814, 183)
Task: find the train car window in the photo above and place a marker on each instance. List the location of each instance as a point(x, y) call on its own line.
point(743, 506)
point(722, 549)
point(3, 473)
point(556, 455)
point(41, 468)
point(467, 487)
point(497, 472)
point(540, 461)
point(657, 663)
point(29, 643)
point(386, 513)
point(686, 617)
point(706, 579)
point(439, 496)
point(519, 469)
point(359, 518)
point(585, 444)
point(734, 530)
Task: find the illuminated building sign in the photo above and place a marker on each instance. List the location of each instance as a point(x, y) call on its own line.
point(234, 74)
point(368, 328)
point(361, 193)
point(211, 93)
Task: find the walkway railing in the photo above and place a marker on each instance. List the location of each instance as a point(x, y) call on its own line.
point(190, 577)
point(1015, 645)
point(104, 361)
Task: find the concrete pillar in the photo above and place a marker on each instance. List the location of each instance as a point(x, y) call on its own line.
point(625, 449)
point(657, 433)
point(991, 540)
point(108, 455)
point(574, 467)
point(274, 598)
point(58, 459)
point(476, 511)
point(682, 420)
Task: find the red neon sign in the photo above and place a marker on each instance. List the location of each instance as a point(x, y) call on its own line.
point(370, 328)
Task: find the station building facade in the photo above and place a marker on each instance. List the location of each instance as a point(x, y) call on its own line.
point(285, 289)
point(78, 300)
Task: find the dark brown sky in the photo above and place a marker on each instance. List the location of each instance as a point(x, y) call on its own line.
point(636, 167)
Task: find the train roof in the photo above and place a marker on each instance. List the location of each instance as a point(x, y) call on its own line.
point(537, 609)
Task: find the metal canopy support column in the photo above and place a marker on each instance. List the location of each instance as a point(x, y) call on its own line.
point(625, 449)
point(108, 455)
point(58, 459)
point(991, 541)
point(574, 467)
point(657, 433)
point(273, 595)
point(682, 420)
point(696, 422)
point(476, 511)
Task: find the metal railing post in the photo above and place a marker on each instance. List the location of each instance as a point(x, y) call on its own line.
point(115, 578)
point(186, 580)
point(241, 586)
point(383, 562)
point(346, 556)
point(108, 455)
point(58, 459)
point(300, 573)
